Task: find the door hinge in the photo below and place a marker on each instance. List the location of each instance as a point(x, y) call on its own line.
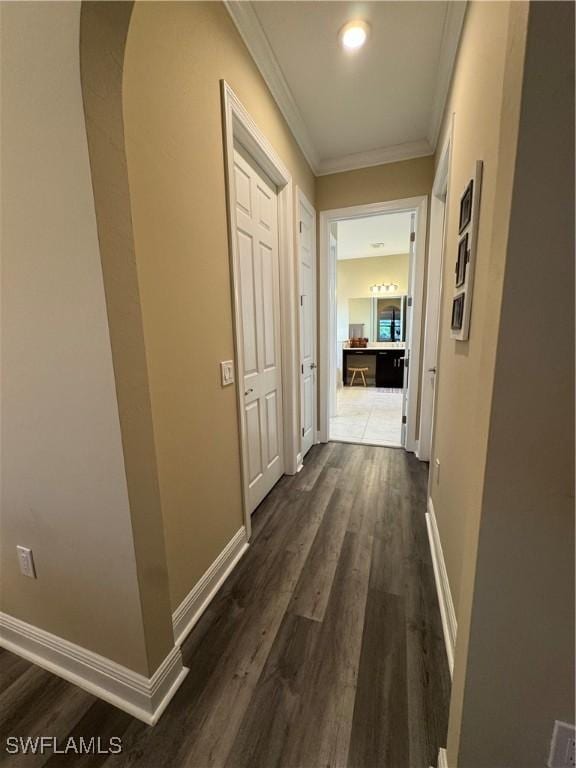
point(302, 431)
point(406, 363)
point(300, 223)
point(302, 366)
point(301, 300)
point(412, 236)
point(409, 301)
point(403, 419)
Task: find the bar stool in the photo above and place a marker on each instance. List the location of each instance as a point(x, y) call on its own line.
point(361, 371)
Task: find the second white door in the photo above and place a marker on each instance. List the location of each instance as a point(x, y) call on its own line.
point(307, 258)
point(257, 288)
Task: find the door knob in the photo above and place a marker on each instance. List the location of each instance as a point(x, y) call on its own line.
point(432, 370)
point(313, 365)
point(249, 390)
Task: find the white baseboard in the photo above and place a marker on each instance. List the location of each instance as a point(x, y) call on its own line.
point(198, 599)
point(442, 759)
point(299, 462)
point(143, 697)
point(449, 624)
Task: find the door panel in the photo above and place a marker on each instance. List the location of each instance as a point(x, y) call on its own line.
point(269, 320)
point(307, 257)
point(272, 428)
point(248, 308)
point(258, 296)
point(252, 413)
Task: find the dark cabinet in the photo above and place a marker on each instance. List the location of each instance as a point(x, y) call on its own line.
point(390, 368)
point(386, 366)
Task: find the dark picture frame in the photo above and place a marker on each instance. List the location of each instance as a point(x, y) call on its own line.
point(466, 207)
point(462, 261)
point(457, 312)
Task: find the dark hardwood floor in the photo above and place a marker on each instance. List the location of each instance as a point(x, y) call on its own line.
point(323, 648)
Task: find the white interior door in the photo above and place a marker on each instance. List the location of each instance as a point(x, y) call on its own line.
point(257, 289)
point(308, 361)
point(409, 313)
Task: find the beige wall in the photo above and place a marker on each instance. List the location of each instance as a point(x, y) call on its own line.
point(103, 32)
point(466, 368)
point(518, 675)
point(64, 490)
point(393, 181)
point(487, 81)
point(355, 276)
point(353, 280)
point(175, 57)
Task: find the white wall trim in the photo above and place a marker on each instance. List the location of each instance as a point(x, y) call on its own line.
point(143, 697)
point(201, 595)
point(453, 24)
point(449, 624)
point(250, 29)
point(436, 248)
point(442, 758)
point(254, 36)
point(379, 156)
point(327, 315)
point(239, 126)
point(416, 292)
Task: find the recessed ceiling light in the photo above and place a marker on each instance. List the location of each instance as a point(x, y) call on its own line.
point(353, 35)
point(377, 245)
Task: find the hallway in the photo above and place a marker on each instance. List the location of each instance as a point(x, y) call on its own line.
point(324, 647)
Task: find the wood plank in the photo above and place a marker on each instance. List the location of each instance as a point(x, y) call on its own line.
point(270, 719)
point(313, 589)
point(314, 463)
point(101, 719)
point(40, 704)
point(380, 724)
point(11, 667)
point(324, 647)
point(324, 718)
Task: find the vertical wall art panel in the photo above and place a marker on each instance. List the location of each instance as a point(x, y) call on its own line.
point(465, 262)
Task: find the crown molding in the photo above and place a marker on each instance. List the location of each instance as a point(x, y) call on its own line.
point(453, 23)
point(254, 37)
point(380, 156)
point(250, 29)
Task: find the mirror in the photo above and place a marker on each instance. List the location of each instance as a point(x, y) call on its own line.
point(360, 318)
point(391, 319)
point(377, 318)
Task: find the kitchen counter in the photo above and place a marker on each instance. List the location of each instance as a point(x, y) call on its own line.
point(386, 365)
point(373, 348)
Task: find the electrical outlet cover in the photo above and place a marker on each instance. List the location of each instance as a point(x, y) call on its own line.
point(26, 562)
point(563, 746)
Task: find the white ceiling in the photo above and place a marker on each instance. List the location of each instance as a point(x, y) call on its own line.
point(356, 236)
point(379, 104)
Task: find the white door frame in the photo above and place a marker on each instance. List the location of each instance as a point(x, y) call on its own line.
point(301, 199)
point(433, 299)
point(327, 329)
point(240, 127)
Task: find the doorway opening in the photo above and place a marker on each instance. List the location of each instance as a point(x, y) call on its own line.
point(371, 283)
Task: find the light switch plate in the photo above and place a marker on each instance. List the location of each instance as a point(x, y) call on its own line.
point(227, 372)
point(563, 746)
point(26, 562)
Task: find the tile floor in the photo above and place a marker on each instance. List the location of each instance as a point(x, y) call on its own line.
point(367, 415)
